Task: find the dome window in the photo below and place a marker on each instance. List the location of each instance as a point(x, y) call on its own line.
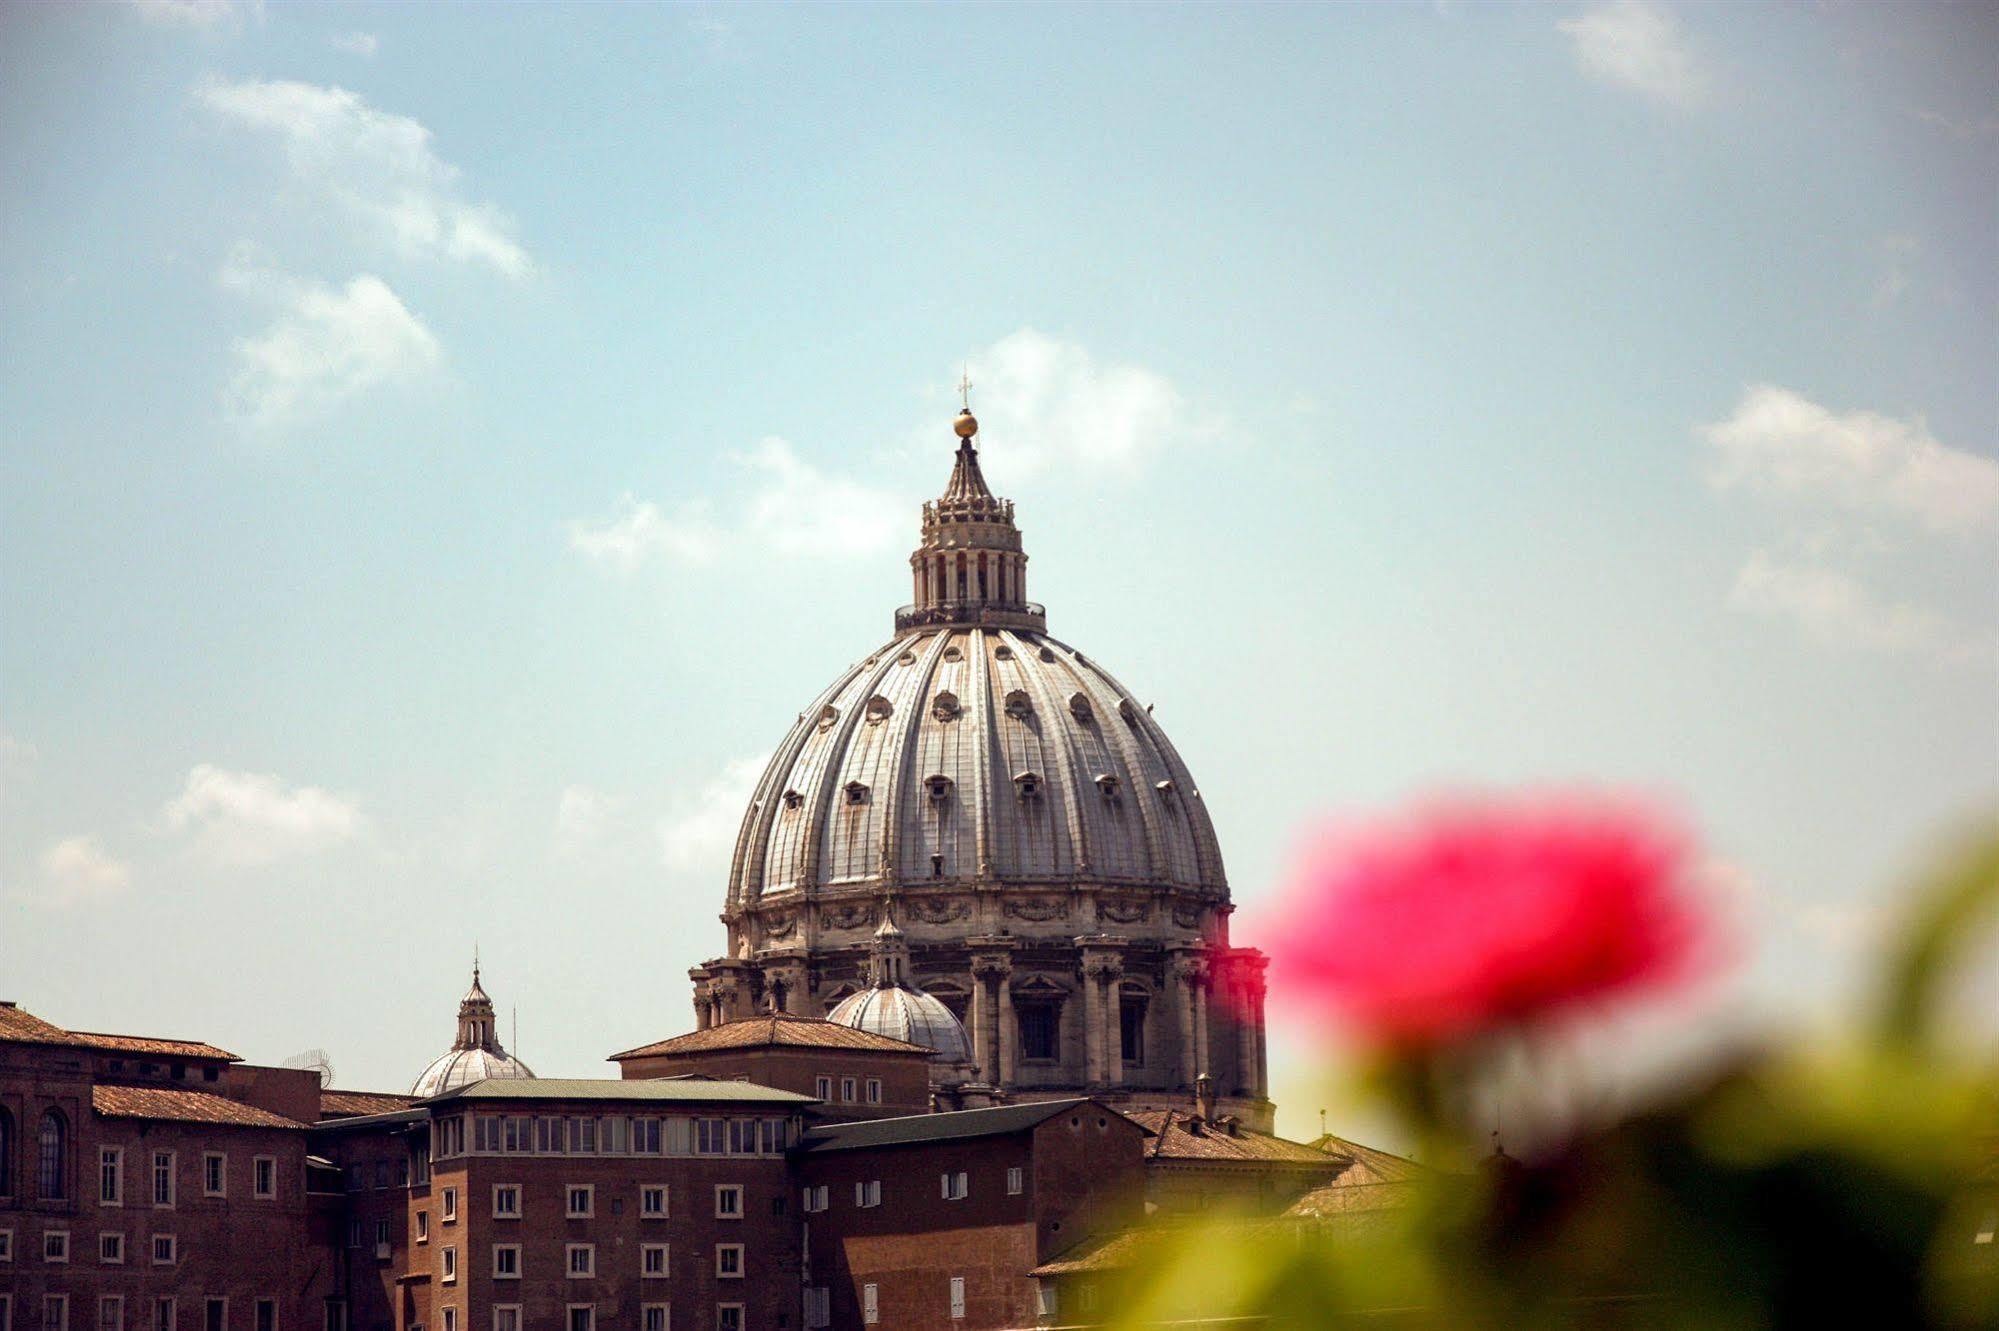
point(939, 787)
point(1003, 652)
point(1028, 784)
point(857, 792)
point(907, 658)
point(792, 799)
point(946, 707)
point(1108, 784)
point(1127, 711)
point(879, 710)
point(1048, 653)
point(1018, 705)
point(827, 716)
point(1080, 708)
point(1165, 789)
point(952, 653)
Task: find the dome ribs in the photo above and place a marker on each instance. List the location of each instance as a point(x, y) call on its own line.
point(1061, 750)
point(917, 758)
point(829, 765)
point(908, 686)
point(752, 856)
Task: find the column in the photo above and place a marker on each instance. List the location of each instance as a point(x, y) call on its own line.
point(1093, 1022)
point(1113, 1021)
point(1008, 1028)
point(1262, 1046)
point(1200, 1023)
point(982, 1024)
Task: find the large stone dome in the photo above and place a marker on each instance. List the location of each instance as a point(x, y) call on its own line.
point(1028, 822)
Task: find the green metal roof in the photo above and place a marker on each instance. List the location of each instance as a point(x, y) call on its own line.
point(956, 1125)
point(650, 1090)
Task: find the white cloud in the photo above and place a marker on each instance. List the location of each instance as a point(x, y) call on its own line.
point(363, 44)
point(639, 532)
point(1046, 403)
point(699, 836)
point(1839, 610)
point(327, 345)
point(584, 818)
point(377, 166)
point(194, 13)
point(76, 871)
point(792, 507)
point(1638, 46)
point(1975, 128)
point(253, 818)
point(1779, 442)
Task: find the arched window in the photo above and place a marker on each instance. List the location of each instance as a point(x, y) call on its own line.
point(982, 577)
point(6, 1153)
point(961, 577)
point(51, 1176)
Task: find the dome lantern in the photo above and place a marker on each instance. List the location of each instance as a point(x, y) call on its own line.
point(476, 1054)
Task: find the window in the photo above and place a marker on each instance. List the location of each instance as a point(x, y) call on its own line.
point(450, 1319)
point(728, 1317)
point(506, 1261)
point(447, 1206)
point(957, 1298)
point(507, 1317)
point(815, 1198)
point(582, 1201)
point(652, 1202)
point(111, 1248)
point(111, 1313)
point(580, 1260)
point(868, 1193)
point(1131, 1031)
point(166, 1250)
point(55, 1245)
point(110, 1176)
point(506, 1201)
point(874, 1090)
point(653, 1317)
point(267, 1315)
point(728, 1201)
point(729, 1261)
point(1037, 1030)
point(955, 1186)
point(847, 1089)
point(381, 1174)
point(645, 1136)
point(423, 1226)
point(583, 1136)
point(382, 1237)
point(6, 1245)
point(709, 1137)
point(823, 1087)
point(582, 1317)
point(871, 1304)
point(652, 1260)
point(1014, 1180)
point(264, 1177)
point(216, 1318)
point(52, 1158)
point(336, 1315)
point(447, 1264)
point(6, 1159)
point(818, 1307)
point(214, 1174)
point(165, 1317)
point(55, 1312)
point(163, 1178)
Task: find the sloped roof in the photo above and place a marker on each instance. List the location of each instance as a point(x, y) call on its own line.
point(955, 1125)
point(663, 1090)
point(343, 1104)
point(1341, 1198)
point(780, 1029)
point(166, 1105)
point(1369, 1163)
point(20, 1026)
point(1179, 1135)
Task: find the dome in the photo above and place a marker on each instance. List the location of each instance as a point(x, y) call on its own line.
point(988, 753)
point(905, 1014)
point(475, 1055)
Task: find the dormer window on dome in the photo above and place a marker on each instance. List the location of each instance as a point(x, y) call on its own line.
point(792, 799)
point(946, 707)
point(938, 786)
point(1108, 784)
point(1079, 707)
point(857, 792)
point(1028, 784)
point(1018, 705)
point(879, 710)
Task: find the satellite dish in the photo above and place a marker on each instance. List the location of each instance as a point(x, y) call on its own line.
point(314, 1060)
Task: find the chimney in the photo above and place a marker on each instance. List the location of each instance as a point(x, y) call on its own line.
point(1204, 1097)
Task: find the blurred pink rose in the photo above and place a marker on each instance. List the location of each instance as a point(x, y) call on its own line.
point(1466, 918)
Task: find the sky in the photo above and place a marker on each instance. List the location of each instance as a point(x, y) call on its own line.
point(443, 448)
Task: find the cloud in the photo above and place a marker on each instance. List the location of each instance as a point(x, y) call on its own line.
point(74, 872)
point(1838, 610)
point(252, 818)
point(377, 166)
point(1044, 403)
point(363, 44)
point(639, 532)
point(1781, 443)
point(792, 507)
point(208, 14)
point(1638, 46)
point(585, 818)
point(1975, 128)
point(699, 837)
point(326, 345)
point(1898, 253)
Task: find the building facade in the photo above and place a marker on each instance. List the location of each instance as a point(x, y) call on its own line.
point(1025, 821)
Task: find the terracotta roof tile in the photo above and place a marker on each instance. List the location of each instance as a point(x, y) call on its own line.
point(143, 1044)
point(21, 1026)
point(171, 1106)
point(775, 1029)
point(1369, 1164)
point(1183, 1136)
point(1342, 1198)
point(345, 1104)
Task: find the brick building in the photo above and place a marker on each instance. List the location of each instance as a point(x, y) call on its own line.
point(853, 1073)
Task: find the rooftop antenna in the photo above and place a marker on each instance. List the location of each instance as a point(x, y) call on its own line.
point(517, 1030)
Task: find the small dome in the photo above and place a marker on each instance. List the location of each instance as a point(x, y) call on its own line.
point(461, 1067)
point(906, 1014)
